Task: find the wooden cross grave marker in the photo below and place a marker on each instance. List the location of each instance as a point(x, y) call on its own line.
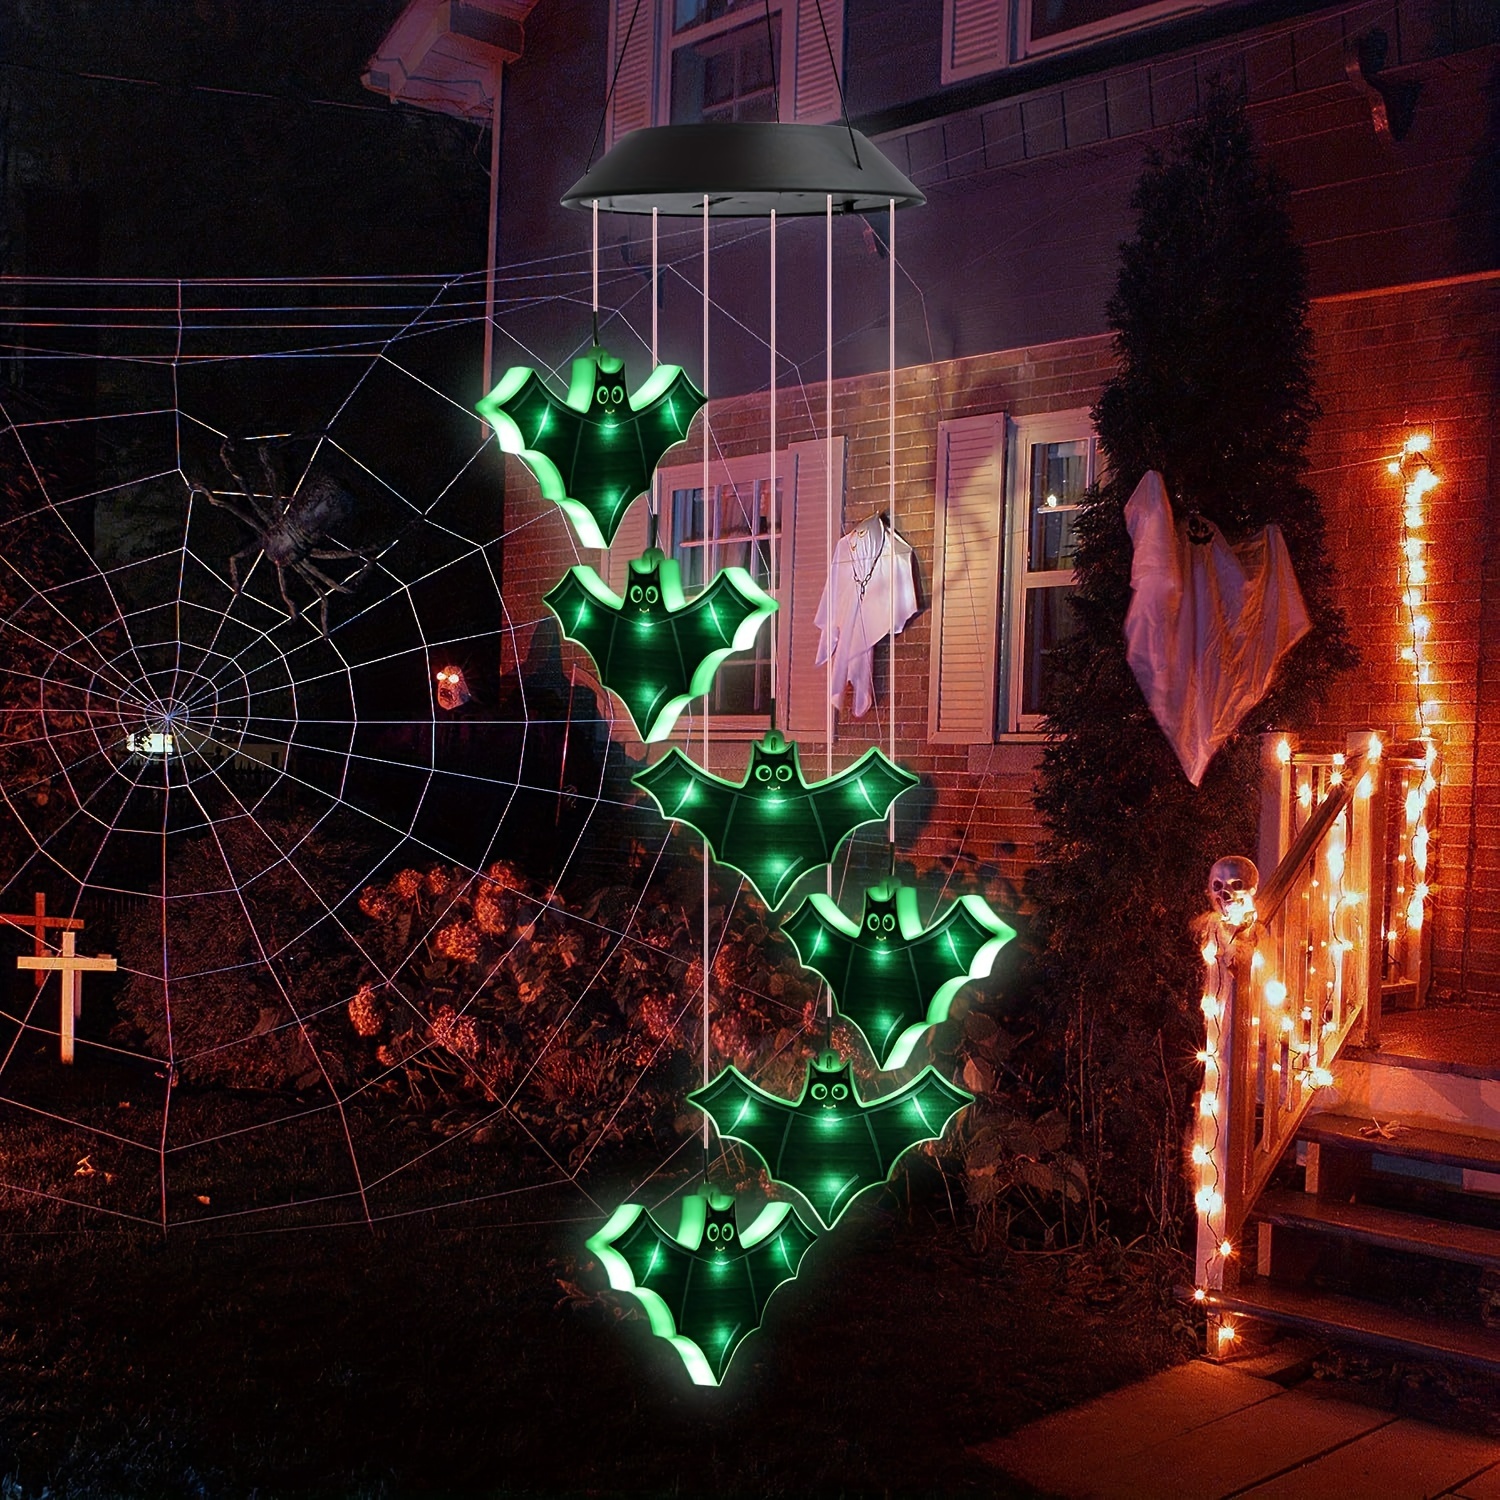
point(71, 966)
point(38, 921)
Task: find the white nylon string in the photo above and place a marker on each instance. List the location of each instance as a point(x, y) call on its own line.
point(595, 259)
point(706, 700)
point(828, 520)
point(775, 517)
point(890, 539)
point(654, 529)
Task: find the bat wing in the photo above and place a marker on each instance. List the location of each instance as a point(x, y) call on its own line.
point(825, 940)
point(589, 613)
point(745, 1112)
point(919, 1112)
point(688, 794)
point(591, 469)
point(548, 435)
point(861, 794)
point(663, 410)
point(893, 1002)
point(641, 1258)
point(962, 945)
point(723, 619)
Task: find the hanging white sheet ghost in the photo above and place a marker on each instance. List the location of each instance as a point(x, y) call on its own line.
point(1207, 623)
point(873, 592)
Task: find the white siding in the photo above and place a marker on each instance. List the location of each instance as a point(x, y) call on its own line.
point(966, 579)
point(974, 37)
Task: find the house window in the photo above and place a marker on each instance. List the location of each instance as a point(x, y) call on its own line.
point(732, 528)
point(1052, 466)
point(691, 61)
point(981, 36)
point(722, 68)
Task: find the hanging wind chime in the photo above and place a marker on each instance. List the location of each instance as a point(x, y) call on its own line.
point(704, 1288)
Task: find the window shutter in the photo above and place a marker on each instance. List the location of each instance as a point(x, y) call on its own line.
point(974, 37)
point(966, 594)
point(801, 713)
point(630, 104)
point(817, 93)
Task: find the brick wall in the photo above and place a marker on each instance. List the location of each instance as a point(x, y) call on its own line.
point(1388, 364)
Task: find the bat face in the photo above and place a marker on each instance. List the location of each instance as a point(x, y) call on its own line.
point(773, 770)
point(882, 926)
point(720, 1230)
point(609, 402)
point(643, 599)
point(831, 1089)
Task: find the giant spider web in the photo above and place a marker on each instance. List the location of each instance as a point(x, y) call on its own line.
point(225, 792)
point(221, 789)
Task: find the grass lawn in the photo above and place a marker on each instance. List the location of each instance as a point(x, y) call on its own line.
point(265, 1350)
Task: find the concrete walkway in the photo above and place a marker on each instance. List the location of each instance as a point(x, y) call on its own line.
point(1206, 1432)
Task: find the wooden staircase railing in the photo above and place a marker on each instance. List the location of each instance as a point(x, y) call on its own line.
point(1285, 989)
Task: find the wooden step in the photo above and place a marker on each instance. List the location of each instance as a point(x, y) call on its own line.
point(1444, 1147)
point(1391, 1230)
point(1348, 1320)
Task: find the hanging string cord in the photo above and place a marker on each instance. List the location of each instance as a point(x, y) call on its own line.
point(890, 538)
point(613, 79)
point(839, 85)
point(775, 509)
point(775, 87)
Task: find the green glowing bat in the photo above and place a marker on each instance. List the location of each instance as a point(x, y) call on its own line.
point(704, 1288)
point(773, 827)
point(594, 452)
point(891, 977)
point(653, 649)
point(829, 1144)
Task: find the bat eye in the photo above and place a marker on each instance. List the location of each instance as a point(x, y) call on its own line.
point(820, 1091)
point(713, 1232)
point(873, 921)
point(763, 773)
point(635, 593)
point(783, 773)
point(728, 1233)
point(888, 922)
point(618, 395)
point(652, 595)
point(602, 395)
point(839, 1091)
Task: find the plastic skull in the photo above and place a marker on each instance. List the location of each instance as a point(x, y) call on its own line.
point(1232, 884)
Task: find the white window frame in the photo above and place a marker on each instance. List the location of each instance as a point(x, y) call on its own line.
point(785, 12)
point(1024, 434)
point(749, 472)
point(1010, 24)
point(1078, 36)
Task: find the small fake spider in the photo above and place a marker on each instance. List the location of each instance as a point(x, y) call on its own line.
point(289, 528)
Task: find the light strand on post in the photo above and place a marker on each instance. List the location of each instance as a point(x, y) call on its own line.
point(1208, 1136)
point(1415, 472)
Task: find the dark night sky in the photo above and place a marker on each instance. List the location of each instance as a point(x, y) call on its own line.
point(186, 182)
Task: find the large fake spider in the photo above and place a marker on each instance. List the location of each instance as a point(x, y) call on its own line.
point(289, 528)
